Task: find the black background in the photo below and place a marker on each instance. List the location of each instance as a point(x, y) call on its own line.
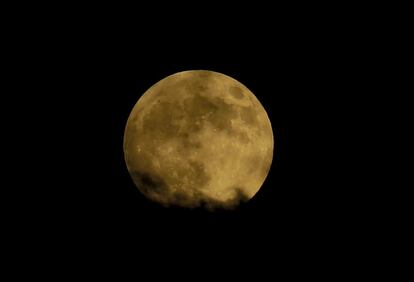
point(304, 70)
point(294, 81)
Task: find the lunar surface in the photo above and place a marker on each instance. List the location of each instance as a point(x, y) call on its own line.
point(198, 139)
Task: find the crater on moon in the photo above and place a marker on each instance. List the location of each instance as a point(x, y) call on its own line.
point(237, 92)
point(198, 138)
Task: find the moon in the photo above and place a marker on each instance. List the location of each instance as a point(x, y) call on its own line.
point(198, 138)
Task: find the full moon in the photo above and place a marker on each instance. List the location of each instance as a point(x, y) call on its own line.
point(198, 139)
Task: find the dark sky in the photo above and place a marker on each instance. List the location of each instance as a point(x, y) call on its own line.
point(297, 83)
point(303, 71)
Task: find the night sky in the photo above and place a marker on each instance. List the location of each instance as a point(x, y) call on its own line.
point(301, 195)
point(97, 70)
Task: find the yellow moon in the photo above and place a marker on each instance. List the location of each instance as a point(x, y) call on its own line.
point(198, 139)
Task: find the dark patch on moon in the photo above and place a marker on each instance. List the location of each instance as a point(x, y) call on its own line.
point(188, 145)
point(198, 83)
point(200, 109)
point(149, 182)
point(236, 92)
point(198, 106)
point(198, 172)
point(221, 119)
point(158, 122)
point(249, 115)
point(196, 87)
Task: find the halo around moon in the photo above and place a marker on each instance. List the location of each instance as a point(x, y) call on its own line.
point(198, 138)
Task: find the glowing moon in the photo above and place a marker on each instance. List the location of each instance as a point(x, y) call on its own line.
point(198, 138)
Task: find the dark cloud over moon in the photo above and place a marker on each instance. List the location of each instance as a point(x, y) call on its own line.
point(198, 138)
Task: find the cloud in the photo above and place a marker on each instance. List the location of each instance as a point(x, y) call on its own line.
point(155, 188)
